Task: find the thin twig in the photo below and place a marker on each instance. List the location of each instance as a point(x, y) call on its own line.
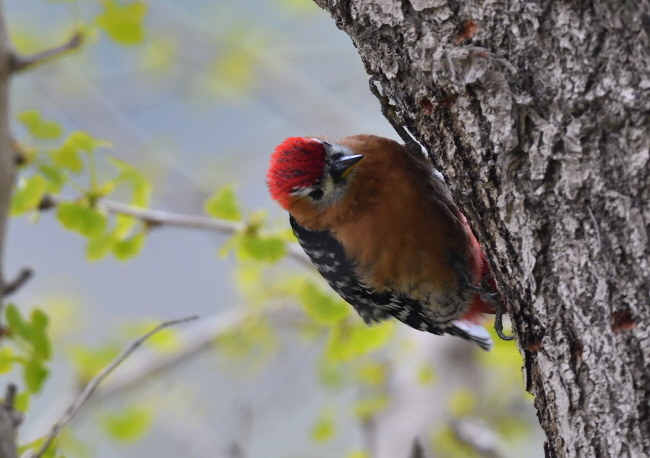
point(19, 63)
point(163, 218)
point(15, 284)
point(159, 217)
point(92, 385)
point(193, 340)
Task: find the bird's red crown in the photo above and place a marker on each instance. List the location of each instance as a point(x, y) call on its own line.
point(296, 162)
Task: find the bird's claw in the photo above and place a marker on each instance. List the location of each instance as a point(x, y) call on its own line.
point(498, 322)
point(483, 290)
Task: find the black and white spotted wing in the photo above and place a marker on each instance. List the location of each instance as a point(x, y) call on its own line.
point(329, 257)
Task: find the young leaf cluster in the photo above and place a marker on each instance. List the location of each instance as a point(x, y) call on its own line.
point(25, 344)
point(52, 163)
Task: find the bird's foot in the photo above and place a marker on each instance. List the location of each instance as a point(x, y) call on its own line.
point(484, 291)
point(498, 321)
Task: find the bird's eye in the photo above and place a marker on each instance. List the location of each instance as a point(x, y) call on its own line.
point(316, 194)
point(327, 144)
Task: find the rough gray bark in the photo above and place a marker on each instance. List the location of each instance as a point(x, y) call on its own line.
point(538, 114)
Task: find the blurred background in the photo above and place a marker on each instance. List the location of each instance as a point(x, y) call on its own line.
point(196, 95)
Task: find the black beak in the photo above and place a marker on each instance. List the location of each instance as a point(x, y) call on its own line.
point(344, 165)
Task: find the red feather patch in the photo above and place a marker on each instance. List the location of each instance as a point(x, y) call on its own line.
point(296, 162)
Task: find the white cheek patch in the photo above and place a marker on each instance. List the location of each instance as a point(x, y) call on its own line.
point(332, 191)
point(302, 192)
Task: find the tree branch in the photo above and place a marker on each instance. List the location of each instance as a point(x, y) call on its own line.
point(162, 218)
point(18, 63)
point(92, 385)
point(15, 284)
point(193, 340)
point(7, 434)
point(9, 421)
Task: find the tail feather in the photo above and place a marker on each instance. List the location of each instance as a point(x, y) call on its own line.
point(473, 332)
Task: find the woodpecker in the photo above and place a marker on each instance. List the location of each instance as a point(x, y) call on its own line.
point(378, 222)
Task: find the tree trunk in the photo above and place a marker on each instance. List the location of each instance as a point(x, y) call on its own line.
point(538, 115)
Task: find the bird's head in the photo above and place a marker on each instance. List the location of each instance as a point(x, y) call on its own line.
point(310, 170)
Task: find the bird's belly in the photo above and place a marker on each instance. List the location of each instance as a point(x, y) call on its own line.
point(442, 297)
point(444, 306)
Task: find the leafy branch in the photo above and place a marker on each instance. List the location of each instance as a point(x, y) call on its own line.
point(18, 63)
point(157, 218)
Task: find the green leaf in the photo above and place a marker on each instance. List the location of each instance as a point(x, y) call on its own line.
point(89, 362)
point(6, 359)
point(233, 69)
point(426, 375)
point(67, 157)
point(371, 406)
point(55, 177)
point(248, 275)
point(28, 195)
point(35, 374)
point(21, 403)
point(357, 454)
point(123, 22)
point(39, 319)
point(129, 247)
point(461, 403)
point(83, 141)
point(331, 375)
point(268, 248)
point(39, 337)
point(80, 218)
point(223, 204)
point(255, 338)
point(165, 340)
point(322, 307)
point(323, 429)
point(31, 448)
point(287, 235)
point(129, 424)
point(371, 373)
point(349, 341)
point(16, 322)
point(34, 446)
point(123, 225)
point(38, 127)
point(511, 428)
point(98, 247)
point(160, 54)
point(140, 185)
point(446, 443)
point(41, 343)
